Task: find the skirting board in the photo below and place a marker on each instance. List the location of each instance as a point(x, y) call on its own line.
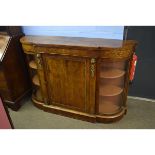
point(141, 98)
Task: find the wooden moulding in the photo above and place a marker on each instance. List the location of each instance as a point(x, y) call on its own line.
point(85, 47)
point(111, 118)
point(32, 64)
point(35, 80)
point(80, 115)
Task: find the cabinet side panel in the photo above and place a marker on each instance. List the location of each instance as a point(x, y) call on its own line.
point(66, 78)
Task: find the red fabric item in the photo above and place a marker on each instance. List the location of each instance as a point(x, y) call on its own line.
point(133, 67)
point(4, 121)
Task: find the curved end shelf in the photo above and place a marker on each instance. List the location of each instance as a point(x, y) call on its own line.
point(110, 90)
point(35, 80)
point(32, 64)
point(111, 118)
point(35, 100)
point(112, 73)
point(108, 108)
point(38, 95)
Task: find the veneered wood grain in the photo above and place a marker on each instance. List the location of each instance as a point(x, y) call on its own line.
point(67, 81)
point(60, 41)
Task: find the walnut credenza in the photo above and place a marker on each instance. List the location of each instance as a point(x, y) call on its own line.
point(82, 78)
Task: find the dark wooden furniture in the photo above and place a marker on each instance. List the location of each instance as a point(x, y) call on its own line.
point(15, 84)
point(81, 78)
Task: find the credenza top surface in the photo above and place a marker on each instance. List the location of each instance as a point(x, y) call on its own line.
point(94, 43)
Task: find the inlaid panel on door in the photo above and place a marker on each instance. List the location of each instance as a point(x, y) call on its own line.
point(67, 81)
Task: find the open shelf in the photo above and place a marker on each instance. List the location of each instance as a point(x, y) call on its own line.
point(38, 95)
point(113, 65)
point(32, 64)
point(108, 107)
point(112, 73)
point(35, 80)
point(110, 90)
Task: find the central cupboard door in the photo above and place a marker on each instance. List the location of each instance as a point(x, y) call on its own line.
point(68, 81)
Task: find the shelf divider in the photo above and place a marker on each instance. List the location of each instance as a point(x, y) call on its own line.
point(110, 90)
point(112, 73)
point(32, 64)
point(35, 80)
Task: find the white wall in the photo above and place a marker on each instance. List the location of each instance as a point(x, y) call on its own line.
point(110, 32)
